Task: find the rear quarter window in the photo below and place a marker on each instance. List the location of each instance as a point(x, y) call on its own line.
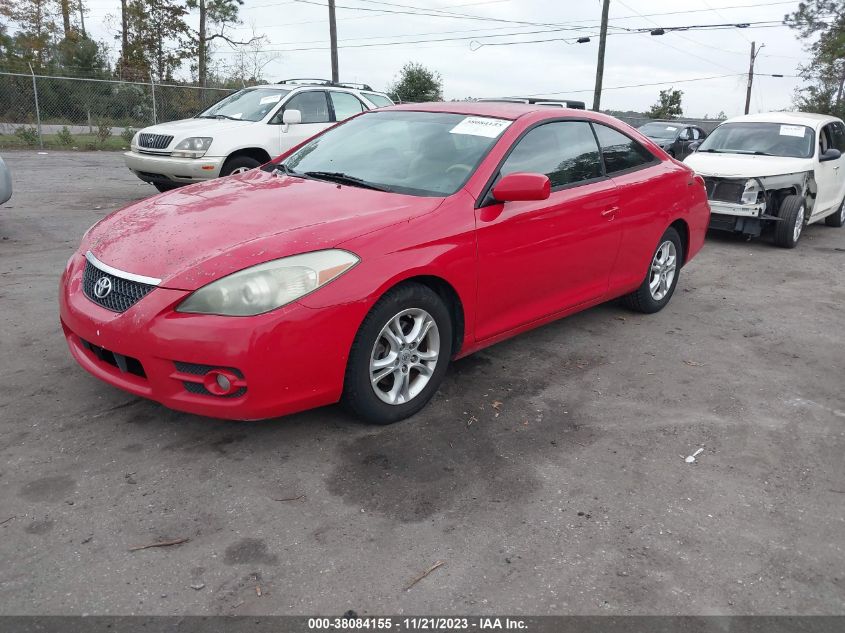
point(621, 152)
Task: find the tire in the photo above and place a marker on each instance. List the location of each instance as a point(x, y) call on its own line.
point(788, 230)
point(165, 186)
point(837, 219)
point(374, 347)
point(664, 269)
point(238, 164)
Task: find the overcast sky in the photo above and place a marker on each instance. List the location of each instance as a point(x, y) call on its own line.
point(556, 68)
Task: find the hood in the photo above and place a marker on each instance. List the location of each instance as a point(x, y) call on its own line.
point(745, 166)
point(194, 127)
point(188, 237)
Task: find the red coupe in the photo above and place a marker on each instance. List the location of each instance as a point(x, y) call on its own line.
point(357, 265)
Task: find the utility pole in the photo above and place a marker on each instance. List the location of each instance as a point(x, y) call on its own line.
point(605, 10)
point(333, 38)
point(754, 54)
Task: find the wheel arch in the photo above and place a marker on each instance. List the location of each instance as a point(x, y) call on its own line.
point(258, 153)
point(446, 291)
point(681, 226)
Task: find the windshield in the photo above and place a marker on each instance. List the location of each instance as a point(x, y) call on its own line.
point(659, 130)
point(418, 153)
point(251, 104)
point(767, 139)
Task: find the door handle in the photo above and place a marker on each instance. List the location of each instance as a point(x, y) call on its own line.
point(609, 213)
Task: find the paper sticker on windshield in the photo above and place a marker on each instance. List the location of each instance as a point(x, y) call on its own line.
point(270, 99)
point(669, 128)
point(792, 130)
point(480, 126)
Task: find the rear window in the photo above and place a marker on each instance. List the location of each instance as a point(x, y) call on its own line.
point(380, 101)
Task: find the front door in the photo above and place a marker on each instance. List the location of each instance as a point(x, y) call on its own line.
point(542, 257)
point(828, 174)
point(316, 117)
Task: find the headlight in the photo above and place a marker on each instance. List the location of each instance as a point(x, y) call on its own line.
point(194, 147)
point(751, 192)
point(269, 286)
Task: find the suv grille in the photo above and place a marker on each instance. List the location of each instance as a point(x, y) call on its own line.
point(123, 295)
point(154, 141)
point(724, 190)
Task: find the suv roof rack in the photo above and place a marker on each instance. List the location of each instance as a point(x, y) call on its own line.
point(569, 103)
point(312, 81)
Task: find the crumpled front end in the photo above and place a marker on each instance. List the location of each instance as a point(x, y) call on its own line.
point(745, 205)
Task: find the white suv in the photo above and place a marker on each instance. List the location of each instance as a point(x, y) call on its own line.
point(244, 130)
point(780, 170)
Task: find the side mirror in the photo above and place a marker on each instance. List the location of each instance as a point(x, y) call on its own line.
point(831, 154)
point(693, 147)
point(520, 187)
point(291, 117)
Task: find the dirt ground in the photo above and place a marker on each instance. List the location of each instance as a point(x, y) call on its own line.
point(574, 497)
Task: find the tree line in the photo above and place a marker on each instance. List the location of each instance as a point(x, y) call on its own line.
point(153, 39)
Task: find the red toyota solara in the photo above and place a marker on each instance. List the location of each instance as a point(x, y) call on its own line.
point(357, 265)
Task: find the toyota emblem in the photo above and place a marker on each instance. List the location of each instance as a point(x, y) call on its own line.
point(102, 288)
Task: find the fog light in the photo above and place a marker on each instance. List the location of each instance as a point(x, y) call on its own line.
point(224, 383)
point(221, 382)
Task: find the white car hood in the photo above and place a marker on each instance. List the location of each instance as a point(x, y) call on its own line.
point(745, 165)
point(195, 127)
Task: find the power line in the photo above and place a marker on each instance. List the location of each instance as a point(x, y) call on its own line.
point(643, 85)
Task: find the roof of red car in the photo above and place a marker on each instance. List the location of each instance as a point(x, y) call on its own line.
point(500, 110)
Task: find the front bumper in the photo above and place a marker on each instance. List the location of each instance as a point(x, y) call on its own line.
point(279, 364)
point(738, 210)
point(168, 169)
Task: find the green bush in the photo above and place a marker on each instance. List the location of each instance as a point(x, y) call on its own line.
point(103, 133)
point(29, 135)
point(64, 137)
point(127, 135)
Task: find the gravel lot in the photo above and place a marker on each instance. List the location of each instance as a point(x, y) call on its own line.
point(572, 498)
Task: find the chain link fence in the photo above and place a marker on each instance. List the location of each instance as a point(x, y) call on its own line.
point(68, 112)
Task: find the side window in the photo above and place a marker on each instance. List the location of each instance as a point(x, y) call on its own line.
point(345, 105)
point(621, 152)
point(312, 104)
point(696, 133)
point(839, 137)
point(826, 138)
point(565, 151)
point(686, 134)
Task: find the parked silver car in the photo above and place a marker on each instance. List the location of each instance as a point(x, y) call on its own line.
point(5, 183)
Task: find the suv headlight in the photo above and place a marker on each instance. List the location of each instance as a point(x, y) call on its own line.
point(751, 192)
point(194, 147)
point(269, 286)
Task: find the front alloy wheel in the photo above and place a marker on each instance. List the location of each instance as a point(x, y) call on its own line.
point(399, 356)
point(404, 356)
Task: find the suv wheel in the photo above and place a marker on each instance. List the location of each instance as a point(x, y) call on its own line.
point(238, 165)
point(791, 213)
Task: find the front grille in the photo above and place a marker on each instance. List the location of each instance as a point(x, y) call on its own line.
point(123, 295)
point(724, 190)
point(154, 141)
point(126, 364)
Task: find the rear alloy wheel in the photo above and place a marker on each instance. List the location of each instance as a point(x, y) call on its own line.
point(399, 356)
point(791, 213)
point(239, 165)
point(837, 219)
point(662, 277)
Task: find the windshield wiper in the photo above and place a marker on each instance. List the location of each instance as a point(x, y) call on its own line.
point(287, 171)
point(219, 116)
point(345, 179)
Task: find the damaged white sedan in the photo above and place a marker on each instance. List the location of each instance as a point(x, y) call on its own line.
point(777, 171)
